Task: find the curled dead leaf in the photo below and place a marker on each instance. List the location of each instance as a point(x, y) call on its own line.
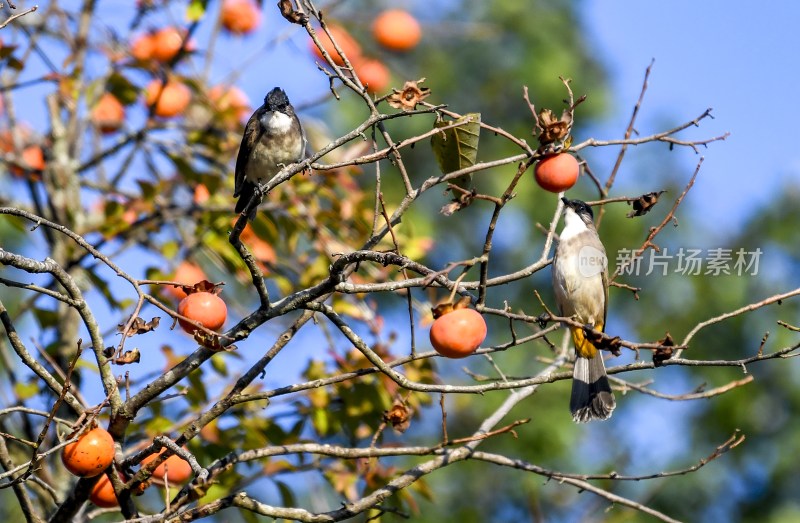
point(130, 356)
point(553, 129)
point(446, 306)
point(411, 95)
point(139, 326)
point(398, 416)
point(460, 200)
point(602, 341)
point(663, 353)
point(211, 341)
point(288, 12)
point(201, 286)
point(644, 203)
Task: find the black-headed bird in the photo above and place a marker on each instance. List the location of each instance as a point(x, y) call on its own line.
point(273, 138)
point(580, 282)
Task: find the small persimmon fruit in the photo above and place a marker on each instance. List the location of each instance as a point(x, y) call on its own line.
point(90, 455)
point(262, 251)
point(206, 308)
point(557, 172)
point(187, 273)
point(397, 30)
point(108, 114)
point(171, 100)
point(142, 47)
point(102, 493)
point(201, 194)
point(240, 16)
point(174, 469)
point(373, 74)
point(230, 101)
point(168, 41)
point(33, 159)
point(344, 40)
point(458, 333)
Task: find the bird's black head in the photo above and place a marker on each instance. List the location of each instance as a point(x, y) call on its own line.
point(580, 208)
point(276, 100)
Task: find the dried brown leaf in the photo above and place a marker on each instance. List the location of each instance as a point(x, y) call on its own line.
point(644, 203)
point(202, 286)
point(211, 341)
point(554, 129)
point(459, 202)
point(603, 342)
point(411, 95)
point(398, 416)
point(130, 356)
point(139, 326)
point(288, 12)
point(663, 353)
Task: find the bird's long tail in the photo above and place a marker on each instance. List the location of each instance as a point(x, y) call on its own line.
point(591, 393)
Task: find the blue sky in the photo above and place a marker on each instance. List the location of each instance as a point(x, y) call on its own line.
point(737, 57)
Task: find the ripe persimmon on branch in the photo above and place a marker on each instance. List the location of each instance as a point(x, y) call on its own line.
point(97, 228)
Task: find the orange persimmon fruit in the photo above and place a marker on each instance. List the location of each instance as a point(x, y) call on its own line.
point(557, 172)
point(397, 30)
point(240, 16)
point(108, 114)
point(206, 308)
point(344, 40)
point(90, 454)
point(187, 273)
point(170, 100)
point(174, 469)
point(458, 333)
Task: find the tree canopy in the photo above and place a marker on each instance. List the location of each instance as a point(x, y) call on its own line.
point(321, 398)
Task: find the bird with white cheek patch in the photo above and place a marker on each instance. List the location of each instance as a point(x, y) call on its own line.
point(580, 282)
point(273, 139)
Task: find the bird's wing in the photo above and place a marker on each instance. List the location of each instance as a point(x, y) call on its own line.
point(559, 286)
point(252, 134)
point(605, 300)
point(597, 244)
point(306, 152)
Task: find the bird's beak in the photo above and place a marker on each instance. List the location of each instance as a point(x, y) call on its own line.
point(565, 200)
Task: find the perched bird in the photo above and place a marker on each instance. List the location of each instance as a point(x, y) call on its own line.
point(273, 138)
point(580, 282)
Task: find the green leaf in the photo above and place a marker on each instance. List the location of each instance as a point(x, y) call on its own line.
point(160, 424)
point(457, 147)
point(102, 286)
point(197, 389)
point(170, 250)
point(46, 318)
point(320, 421)
point(219, 365)
point(183, 166)
point(287, 496)
point(122, 88)
point(24, 391)
point(148, 189)
point(196, 10)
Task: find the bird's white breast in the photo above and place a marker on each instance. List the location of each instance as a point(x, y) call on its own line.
point(276, 122)
point(573, 225)
point(278, 147)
